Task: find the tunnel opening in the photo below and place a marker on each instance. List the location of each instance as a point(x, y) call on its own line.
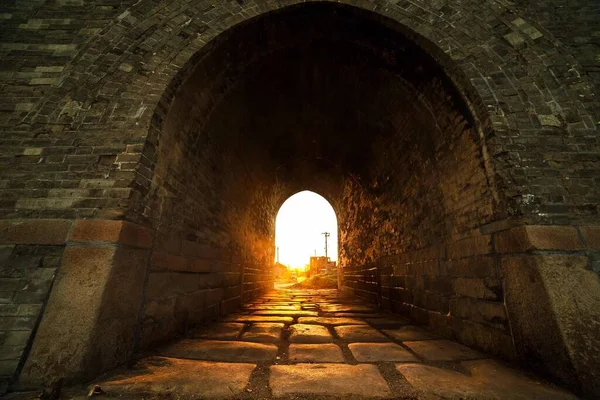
point(179, 228)
point(334, 99)
point(306, 243)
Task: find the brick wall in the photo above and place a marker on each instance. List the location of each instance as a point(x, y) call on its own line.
point(425, 211)
point(30, 258)
point(161, 115)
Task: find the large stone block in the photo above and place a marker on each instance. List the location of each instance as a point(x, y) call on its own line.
point(486, 379)
point(474, 267)
point(591, 236)
point(487, 312)
point(187, 307)
point(169, 262)
point(221, 350)
point(538, 237)
point(163, 377)
point(89, 322)
point(553, 303)
point(159, 309)
point(166, 284)
point(488, 289)
point(112, 232)
point(491, 340)
point(476, 245)
point(328, 380)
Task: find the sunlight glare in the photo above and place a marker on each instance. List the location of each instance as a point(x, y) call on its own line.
point(299, 228)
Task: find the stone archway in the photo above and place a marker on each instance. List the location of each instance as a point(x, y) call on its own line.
point(408, 133)
point(322, 95)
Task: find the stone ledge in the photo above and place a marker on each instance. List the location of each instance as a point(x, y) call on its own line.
point(111, 231)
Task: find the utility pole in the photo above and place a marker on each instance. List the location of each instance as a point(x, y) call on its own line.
point(277, 254)
point(327, 234)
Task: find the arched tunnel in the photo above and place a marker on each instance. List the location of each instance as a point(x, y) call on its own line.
point(332, 100)
point(342, 102)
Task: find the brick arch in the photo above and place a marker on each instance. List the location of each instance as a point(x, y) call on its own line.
point(138, 104)
point(476, 110)
point(138, 79)
point(173, 134)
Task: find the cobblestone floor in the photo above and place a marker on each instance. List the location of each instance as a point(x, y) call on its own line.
point(313, 344)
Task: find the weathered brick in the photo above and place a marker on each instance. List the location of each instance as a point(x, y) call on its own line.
point(34, 231)
point(167, 284)
point(168, 262)
point(17, 323)
point(9, 310)
point(8, 367)
point(488, 289)
point(160, 308)
point(475, 267)
point(527, 238)
point(488, 312)
point(469, 247)
point(476, 135)
point(11, 352)
point(14, 338)
point(591, 236)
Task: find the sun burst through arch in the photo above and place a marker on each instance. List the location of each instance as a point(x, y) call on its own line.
point(300, 225)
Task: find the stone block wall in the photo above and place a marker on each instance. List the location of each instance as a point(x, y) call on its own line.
point(116, 286)
point(552, 295)
point(525, 291)
point(188, 284)
point(94, 304)
point(29, 260)
point(453, 288)
point(96, 126)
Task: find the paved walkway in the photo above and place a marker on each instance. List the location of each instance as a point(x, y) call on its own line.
point(314, 344)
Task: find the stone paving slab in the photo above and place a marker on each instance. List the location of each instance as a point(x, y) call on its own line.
point(218, 350)
point(360, 333)
point(304, 333)
point(380, 352)
point(389, 322)
point(272, 307)
point(488, 380)
point(315, 353)
point(297, 313)
point(318, 365)
point(410, 333)
point(443, 350)
point(304, 299)
point(347, 308)
point(264, 332)
point(176, 378)
point(227, 330)
point(330, 321)
point(328, 380)
point(356, 315)
point(259, 318)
